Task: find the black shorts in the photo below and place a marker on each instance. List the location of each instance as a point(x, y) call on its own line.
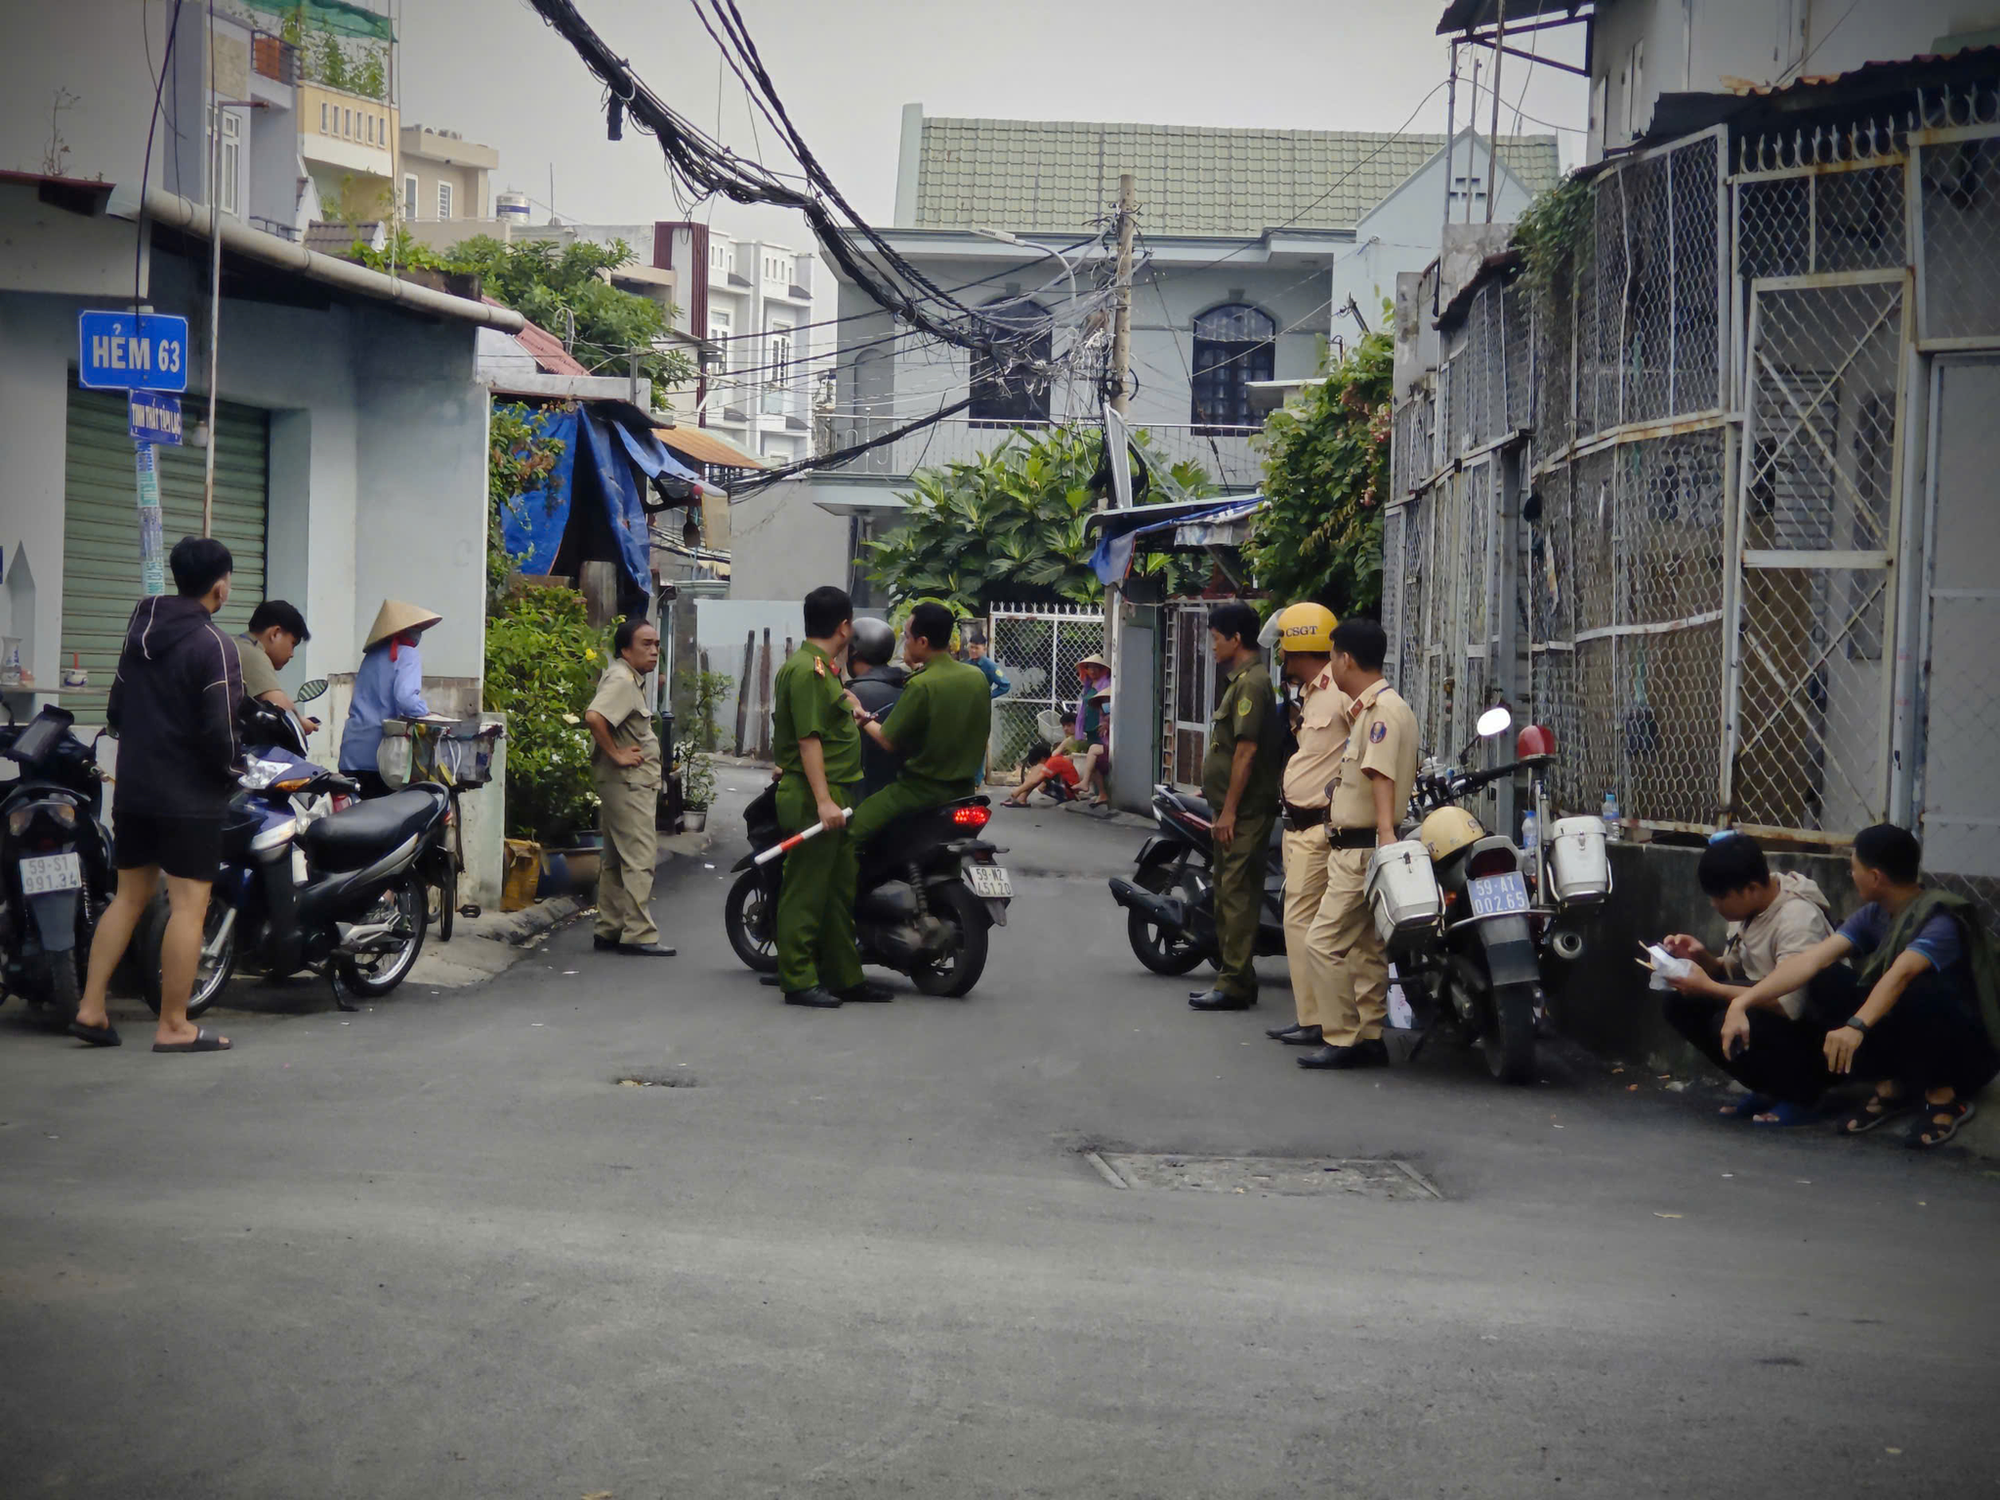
point(187, 848)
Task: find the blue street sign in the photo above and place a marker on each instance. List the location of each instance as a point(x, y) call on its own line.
point(156, 418)
point(118, 351)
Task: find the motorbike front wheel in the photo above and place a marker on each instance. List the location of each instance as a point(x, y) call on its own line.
point(955, 976)
point(212, 970)
point(750, 917)
point(407, 904)
point(1509, 1044)
point(1158, 949)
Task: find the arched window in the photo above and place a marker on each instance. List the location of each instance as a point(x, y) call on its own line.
point(1016, 395)
point(1233, 345)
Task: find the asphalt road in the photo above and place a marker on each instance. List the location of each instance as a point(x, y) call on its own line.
point(437, 1250)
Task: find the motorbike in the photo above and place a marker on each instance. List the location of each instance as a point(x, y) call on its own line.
point(1170, 900)
point(344, 894)
point(1452, 902)
point(929, 892)
point(55, 861)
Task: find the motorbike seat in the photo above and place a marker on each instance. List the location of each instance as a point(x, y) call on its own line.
point(357, 835)
point(1196, 806)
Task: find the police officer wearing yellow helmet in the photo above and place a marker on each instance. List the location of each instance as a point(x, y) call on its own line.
point(1304, 644)
point(1373, 777)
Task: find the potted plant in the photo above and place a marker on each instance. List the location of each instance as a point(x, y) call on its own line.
point(697, 785)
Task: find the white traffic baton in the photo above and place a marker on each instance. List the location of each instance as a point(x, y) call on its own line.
point(788, 845)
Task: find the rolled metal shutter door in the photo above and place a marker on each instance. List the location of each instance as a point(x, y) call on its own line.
point(101, 523)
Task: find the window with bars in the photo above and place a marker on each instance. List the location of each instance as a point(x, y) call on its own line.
point(1233, 345)
point(1020, 392)
point(444, 200)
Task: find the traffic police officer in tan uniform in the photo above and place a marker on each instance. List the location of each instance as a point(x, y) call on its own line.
point(625, 765)
point(1305, 641)
point(1239, 777)
point(1372, 784)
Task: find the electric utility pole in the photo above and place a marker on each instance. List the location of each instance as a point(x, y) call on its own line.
point(1126, 725)
point(1121, 326)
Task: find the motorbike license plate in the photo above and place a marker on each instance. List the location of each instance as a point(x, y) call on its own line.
point(50, 872)
point(989, 882)
point(1498, 895)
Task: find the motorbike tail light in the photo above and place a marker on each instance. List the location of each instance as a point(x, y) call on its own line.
point(972, 817)
point(17, 821)
point(1493, 862)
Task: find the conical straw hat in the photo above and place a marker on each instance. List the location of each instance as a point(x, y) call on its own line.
point(1094, 660)
point(395, 617)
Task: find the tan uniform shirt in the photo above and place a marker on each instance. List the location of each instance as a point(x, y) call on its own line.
point(621, 703)
point(1381, 736)
point(1322, 736)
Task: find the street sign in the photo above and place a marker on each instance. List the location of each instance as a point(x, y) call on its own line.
point(156, 418)
point(152, 539)
point(118, 351)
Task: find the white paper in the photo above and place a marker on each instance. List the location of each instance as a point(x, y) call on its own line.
point(1666, 967)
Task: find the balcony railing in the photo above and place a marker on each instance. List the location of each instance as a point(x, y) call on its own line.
point(274, 58)
point(1226, 456)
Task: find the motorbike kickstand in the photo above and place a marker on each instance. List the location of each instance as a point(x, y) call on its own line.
point(340, 995)
point(1429, 1031)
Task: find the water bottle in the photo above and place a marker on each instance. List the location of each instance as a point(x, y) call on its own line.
point(1531, 835)
point(1612, 832)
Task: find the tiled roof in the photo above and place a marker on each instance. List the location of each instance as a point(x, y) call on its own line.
point(547, 349)
point(1057, 176)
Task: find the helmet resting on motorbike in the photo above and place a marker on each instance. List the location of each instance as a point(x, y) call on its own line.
point(873, 644)
point(1306, 629)
point(1447, 831)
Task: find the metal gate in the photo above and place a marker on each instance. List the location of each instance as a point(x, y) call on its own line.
point(1190, 696)
point(1809, 698)
point(1036, 647)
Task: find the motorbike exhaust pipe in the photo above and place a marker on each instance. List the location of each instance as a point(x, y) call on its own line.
point(1164, 911)
point(1567, 944)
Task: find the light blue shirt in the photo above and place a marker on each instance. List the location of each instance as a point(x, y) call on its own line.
point(383, 689)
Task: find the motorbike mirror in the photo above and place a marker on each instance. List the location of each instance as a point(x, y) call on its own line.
point(310, 690)
point(1494, 721)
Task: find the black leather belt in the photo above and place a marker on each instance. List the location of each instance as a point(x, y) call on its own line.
point(1300, 819)
point(1350, 838)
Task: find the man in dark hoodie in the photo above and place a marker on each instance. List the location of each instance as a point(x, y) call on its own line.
point(173, 708)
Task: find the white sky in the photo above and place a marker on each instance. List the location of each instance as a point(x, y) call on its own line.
point(491, 70)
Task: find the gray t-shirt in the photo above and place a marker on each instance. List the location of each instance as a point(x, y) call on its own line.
point(1791, 924)
point(259, 676)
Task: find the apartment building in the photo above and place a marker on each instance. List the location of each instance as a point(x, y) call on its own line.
point(442, 177)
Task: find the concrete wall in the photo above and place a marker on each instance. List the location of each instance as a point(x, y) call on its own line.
point(782, 545)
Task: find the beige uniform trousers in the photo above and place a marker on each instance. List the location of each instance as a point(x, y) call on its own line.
point(1305, 885)
point(1356, 999)
point(631, 849)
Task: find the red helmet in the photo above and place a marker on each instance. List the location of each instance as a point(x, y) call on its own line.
point(1534, 740)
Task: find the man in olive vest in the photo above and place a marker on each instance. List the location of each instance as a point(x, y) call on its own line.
point(625, 765)
point(1239, 777)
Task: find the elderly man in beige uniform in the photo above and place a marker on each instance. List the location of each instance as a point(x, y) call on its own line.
point(1305, 642)
point(626, 767)
point(1372, 785)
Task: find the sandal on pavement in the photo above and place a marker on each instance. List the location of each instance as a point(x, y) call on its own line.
point(1938, 1123)
point(1874, 1110)
point(1749, 1106)
point(1784, 1115)
point(204, 1041)
point(98, 1036)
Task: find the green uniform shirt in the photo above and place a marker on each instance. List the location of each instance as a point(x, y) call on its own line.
point(941, 723)
point(1248, 711)
point(807, 705)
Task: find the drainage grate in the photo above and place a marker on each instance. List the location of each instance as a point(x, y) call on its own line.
point(667, 1081)
point(1287, 1177)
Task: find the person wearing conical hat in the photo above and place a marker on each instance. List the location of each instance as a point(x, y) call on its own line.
point(388, 685)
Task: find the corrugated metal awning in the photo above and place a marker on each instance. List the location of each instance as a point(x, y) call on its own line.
point(705, 447)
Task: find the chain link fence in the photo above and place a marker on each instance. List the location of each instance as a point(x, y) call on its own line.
point(1037, 648)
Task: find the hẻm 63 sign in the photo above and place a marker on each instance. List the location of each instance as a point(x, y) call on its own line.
point(122, 351)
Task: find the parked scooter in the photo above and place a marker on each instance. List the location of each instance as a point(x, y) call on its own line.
point(55, 862)
point(1170, 899)
point(928, 893)
point(1452, 904)
point(344, 895)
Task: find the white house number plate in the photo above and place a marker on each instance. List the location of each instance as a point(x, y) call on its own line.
point(989, 882)
point(1498, 895)
point(50, 872)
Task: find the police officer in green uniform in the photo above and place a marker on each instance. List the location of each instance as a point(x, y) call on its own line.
point(818, 751)
point(1240, 777)
point(939, 726)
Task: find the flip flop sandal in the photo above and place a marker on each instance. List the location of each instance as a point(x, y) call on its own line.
point(1938, 1123)
point(204, 1041)
point(98, 1036)
point(1874, 1111)
point(1785, 1115)
point(1749, 1106)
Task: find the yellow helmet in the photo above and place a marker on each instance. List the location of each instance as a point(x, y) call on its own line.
point(1447, 831)
point(1306, 629)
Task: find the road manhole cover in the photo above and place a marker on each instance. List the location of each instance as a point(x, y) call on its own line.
point(656, 1081)
point(1285, 1176)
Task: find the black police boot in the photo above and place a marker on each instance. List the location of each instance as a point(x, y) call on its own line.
point(868, 989)
point(816, 998)
point(1305, 1036)
point(1368, 1054)
point(1218, 1000)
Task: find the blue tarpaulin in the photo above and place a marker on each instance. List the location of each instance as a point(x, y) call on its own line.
point(532, 528)
point(623, 510)
point(1120, 530)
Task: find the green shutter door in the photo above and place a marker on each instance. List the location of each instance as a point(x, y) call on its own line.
point(101, 521)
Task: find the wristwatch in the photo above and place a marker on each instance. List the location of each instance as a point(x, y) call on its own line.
point(1857, 1024)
